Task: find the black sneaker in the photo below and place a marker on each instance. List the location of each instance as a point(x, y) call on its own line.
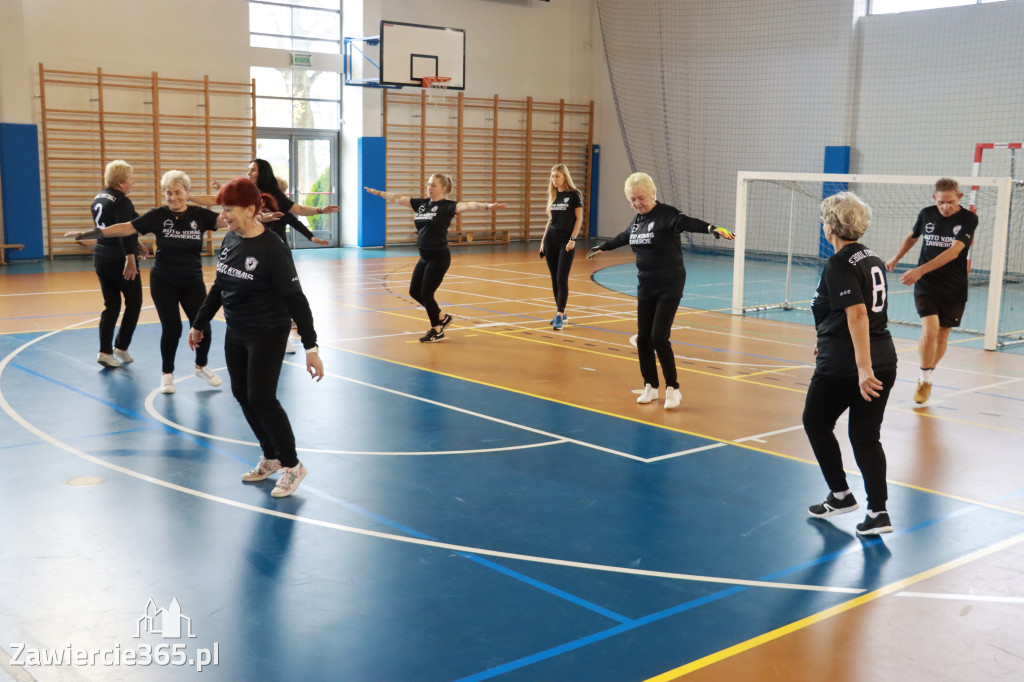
point(832, 506)
point(432, 336)
point(447, 320)
point(875, 526)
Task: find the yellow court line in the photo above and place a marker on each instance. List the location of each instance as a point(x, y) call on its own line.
point(834, 611)
point(744, 446)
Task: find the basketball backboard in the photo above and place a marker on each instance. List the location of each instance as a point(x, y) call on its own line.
point(409, 52)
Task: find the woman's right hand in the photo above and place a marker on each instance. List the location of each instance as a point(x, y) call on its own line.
point(194, 337)
point(215, 185)
point(74, 234)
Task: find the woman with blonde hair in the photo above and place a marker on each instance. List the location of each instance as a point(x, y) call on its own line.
point(115, 261)
point(434, 215)
point(177, 275)
point(855, 363)
point(653, 235)
point(558, 245)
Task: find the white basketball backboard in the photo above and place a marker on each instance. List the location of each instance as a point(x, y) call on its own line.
point(410, 52)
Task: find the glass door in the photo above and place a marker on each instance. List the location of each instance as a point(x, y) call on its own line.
point(305, 159)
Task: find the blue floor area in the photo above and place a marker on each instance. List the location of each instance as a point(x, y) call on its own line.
point(541, 546)
point(709, 287)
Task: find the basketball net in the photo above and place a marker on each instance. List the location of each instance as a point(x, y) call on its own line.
point(437, 88)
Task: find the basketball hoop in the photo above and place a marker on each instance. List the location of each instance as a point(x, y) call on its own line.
point(436, 87)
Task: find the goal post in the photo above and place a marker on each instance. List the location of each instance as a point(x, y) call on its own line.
point(779, 249)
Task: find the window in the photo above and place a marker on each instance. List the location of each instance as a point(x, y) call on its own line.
point(304, 25)
point(894, 6)
point(297, 98)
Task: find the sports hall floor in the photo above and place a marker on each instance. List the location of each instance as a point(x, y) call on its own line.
point(495, 506)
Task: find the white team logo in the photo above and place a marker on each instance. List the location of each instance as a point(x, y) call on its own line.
point(566, 200)
point(194, 225)
point(929, 227)
point(650, 226)
point(433, 209)
point(251, 263)
point(168, 224)
point(224, 253)
point(422, 209)
point(956, 230)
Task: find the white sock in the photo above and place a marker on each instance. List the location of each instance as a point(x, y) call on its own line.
point(926, 375)
point(842, 495)
point(875, 514)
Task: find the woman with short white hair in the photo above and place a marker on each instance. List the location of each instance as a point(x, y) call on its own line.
point(177, 275)
point(653, 235)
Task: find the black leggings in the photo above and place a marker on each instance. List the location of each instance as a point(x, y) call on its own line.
point(827, 398)
point(167, 296)
point(559, 263)
point(654, 319)
point(426, 278)
point(114, 285)
point(254, 366)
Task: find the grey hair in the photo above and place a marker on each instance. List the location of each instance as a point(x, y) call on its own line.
point(847, 214)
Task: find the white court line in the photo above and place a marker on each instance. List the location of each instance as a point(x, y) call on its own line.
point(152, 411)
point(976, 389)
point(687, 452)
point(21, 421)
point(962, 597)
point(760, 437)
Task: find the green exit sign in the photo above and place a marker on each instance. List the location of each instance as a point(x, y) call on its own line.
point(302, 59)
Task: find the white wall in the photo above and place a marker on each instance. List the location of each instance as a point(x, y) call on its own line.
point(515, 48)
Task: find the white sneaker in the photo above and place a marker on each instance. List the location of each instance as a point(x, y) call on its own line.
point(672, 397)
point(123, 356)
point(107, 360)
point(262, 470)
point(167, 383)
point(207, 375)
point(649, 393)
point(289, 481)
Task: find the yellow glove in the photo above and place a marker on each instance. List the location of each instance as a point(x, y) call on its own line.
point(720, 232)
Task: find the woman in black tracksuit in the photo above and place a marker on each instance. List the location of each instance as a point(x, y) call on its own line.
point(654, 237)
point(558, 244)
point(855, 363)
point(177, 275)
point(434, 215)
point(115, 261)
point(260, 292)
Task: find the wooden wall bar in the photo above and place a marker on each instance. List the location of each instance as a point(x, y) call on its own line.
point(495, 150)
point(203, 127)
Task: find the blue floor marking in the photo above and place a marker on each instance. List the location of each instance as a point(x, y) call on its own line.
point(484, 562)
point(605, 634)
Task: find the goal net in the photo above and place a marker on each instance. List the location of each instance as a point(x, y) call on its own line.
point(780, 248)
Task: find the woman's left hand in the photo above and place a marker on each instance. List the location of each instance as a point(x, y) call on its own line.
point(268, 216)
point(570, 246)
point(870, 386)
point(328, 209)
point(320, 242)
point(315, 366)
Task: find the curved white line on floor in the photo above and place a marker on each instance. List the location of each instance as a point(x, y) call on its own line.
point(152, 411)
point(43, 435)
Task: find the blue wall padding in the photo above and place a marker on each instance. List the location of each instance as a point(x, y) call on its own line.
point(372, 168)
point(22, 197)
point(837, 160)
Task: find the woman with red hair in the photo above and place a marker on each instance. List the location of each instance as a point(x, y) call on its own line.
point(259, 289)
